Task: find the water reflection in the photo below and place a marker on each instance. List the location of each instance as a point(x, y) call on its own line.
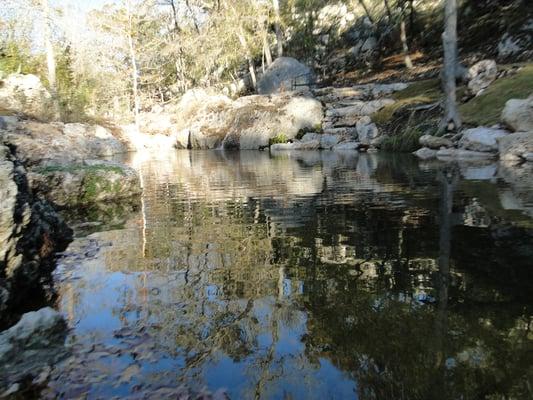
point(313, 275)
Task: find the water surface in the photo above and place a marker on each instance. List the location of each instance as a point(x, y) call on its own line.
point(305, 276)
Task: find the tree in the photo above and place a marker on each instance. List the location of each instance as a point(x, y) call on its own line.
point(50, 56)
point(277, 27)
point(452, 119)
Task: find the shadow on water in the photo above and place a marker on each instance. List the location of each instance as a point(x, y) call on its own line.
point(312, 275)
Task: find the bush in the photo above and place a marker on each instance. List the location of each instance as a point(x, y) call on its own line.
point(279, 138)
point(405, 142)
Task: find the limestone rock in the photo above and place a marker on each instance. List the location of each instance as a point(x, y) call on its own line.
point(481, 75)
point(85, 183)
point(30, 346)
point(464, 155)
point(434, 142)
point(425, 153)
point(308, 145)
point(30, 232)
point(518, 114)
point(367, 131)
point(38, 143)
point(328, 141)
point(25, 94)
point(283, 74)
point(516, 146)
point(250, 121)
point(346, 146)
point(360, 108)
point(481, 139)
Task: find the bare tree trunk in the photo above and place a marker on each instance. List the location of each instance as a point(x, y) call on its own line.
point(389, 12)
point(266, 50)
point(452, 119)
point(246, 49)
point(277, 27)
point(403, 37)
point(50, 57)
point(134, 70)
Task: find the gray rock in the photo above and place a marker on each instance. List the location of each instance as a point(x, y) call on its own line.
point(360, 108)
point(39, 143)
point(516, 146)
point(308, 145)
point(27, 348)
point(367, 131)
point(90, 182)
point(282, 75)
point(8, 122)
point(30, 233)
point(346, 146)
point(311, 136)
point(328, 141)
point(518, 114)
point(528, 157)
point(508, 47)
point(425, 153)
point(481, 75)
point(464, 155)
point(26, 94)
point(481, 139)
point(434, 142)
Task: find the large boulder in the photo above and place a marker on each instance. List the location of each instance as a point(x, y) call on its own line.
point(516, 146)
point(248, 122)
point(38, 142)
point(282, 76)
point(30, 233)
point(518, 114)
point(481, 139)
point(86, 183)
point(481, 75)
point(25, 94)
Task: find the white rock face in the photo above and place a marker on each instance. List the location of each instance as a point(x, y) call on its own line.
point(518, 114)
point(482, 139)
point(425, 153)
point(516, 146)
point(26, 94)
point(481, 75)
point(282, 74)
point(215, 121)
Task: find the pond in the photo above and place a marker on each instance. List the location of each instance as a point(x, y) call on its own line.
point(317, 275)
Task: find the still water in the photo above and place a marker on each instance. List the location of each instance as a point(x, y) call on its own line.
point(304, 276)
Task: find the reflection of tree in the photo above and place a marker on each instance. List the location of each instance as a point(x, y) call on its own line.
point(351, 271)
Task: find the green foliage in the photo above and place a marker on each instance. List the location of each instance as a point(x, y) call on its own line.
point(279, 138)
point(16, 57)
point(486, 108)
point(405, 142)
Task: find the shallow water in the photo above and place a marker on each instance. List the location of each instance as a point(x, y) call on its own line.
point(310, 276)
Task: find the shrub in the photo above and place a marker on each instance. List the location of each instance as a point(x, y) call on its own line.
point(279, 138)
point(404, 142)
